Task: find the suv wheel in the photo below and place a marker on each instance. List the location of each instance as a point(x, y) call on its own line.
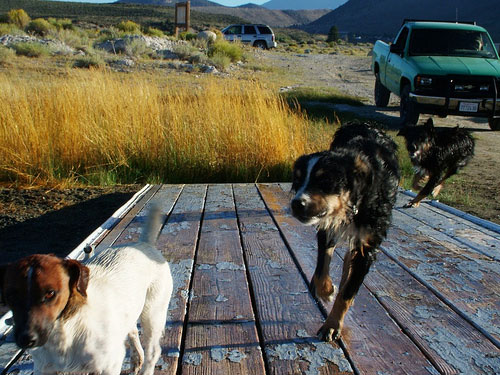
point(260, 44)
point(381, 93)
point(408, 111)
point(494, 123)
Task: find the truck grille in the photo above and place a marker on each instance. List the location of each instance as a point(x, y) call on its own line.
point(466, 87)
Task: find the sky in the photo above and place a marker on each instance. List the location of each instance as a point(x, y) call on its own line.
point(230, 3)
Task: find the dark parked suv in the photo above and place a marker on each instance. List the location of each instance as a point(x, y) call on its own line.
point(260, 36)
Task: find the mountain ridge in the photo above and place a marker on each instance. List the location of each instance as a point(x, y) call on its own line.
point(364, 17)
point(271, 17)
point(251, 13)
point(299, 4)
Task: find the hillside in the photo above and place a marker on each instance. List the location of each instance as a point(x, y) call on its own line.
point(301, 5)
point(382, 18)
point(251, 12)
point(110, 14)
point(275, 18)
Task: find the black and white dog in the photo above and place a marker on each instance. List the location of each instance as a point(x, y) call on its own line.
point(348, 192)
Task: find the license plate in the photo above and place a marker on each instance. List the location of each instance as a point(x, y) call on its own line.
point(468, 107)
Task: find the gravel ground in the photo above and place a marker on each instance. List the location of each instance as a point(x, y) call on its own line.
point(352, 75)
point(54, 221)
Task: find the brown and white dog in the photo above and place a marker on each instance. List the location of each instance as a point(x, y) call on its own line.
point(78, 318)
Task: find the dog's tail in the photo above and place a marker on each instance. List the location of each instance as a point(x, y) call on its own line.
point(152, 226)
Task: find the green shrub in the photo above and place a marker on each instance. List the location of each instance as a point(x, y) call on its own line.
point(185, 51)
point(18, 17)
point(218, 33)
point(31, 49)
point(138, 48)
point(91, 60)
point(186, 35)
point(74, 38)
point(108, 33)
point(10, 28)
point(222, 47)
point(151, 31)
point(6, 55)
point(198, 58)
point(129, 27)
point(220, 60)
point(61, 23)
point(39, 26)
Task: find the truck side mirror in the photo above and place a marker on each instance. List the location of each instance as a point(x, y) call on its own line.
point(394, 49)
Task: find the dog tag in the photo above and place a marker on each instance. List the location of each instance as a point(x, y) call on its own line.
point(468, 107)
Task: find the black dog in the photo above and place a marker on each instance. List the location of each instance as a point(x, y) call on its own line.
point(348, 192)
point(436, 154)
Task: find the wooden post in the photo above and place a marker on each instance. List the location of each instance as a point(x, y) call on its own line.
point(182, 16)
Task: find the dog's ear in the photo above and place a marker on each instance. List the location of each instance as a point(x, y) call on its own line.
point(429, 127)
point(78, 276)
point(362, 170)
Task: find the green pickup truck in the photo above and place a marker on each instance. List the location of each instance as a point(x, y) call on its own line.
point(441, 68)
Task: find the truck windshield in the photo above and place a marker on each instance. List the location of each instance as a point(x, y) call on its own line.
point(441, 42)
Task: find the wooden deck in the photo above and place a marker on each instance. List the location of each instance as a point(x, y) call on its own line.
point(241, 263)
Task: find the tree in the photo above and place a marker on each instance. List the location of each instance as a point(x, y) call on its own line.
point(333, 34)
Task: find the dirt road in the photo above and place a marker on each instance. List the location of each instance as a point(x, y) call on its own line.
point(352, 75)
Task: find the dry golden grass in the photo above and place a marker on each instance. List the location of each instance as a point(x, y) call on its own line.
point(101, 128)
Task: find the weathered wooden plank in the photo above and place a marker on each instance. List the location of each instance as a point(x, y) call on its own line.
point(220, 287)
point(222, 349)
point(420, 229)
point(453, 228)
point(221, 332)
point(374, 342)
point(165, 198)
point(22, 364)
point(177, 242)
point(450, 342)
point(469, 219)
point(287, 314)
point(467, 281)
point(8, 348)
point(115, 233)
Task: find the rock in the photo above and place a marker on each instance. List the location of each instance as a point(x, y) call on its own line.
point(207, 35)
point(56, 46)
point(167, 54)
point(209, 69)
point(124, 63)
point(163, 46)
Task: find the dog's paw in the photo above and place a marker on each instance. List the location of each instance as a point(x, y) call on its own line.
point(328, 334)
point(411, 204)
point(323, 288)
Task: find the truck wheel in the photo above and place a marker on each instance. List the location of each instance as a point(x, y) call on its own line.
point(381, 93)
point(494, 123)
point(408, 111)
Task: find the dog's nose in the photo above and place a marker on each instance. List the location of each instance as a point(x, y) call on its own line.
point(298, 204)
point(26, 340)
